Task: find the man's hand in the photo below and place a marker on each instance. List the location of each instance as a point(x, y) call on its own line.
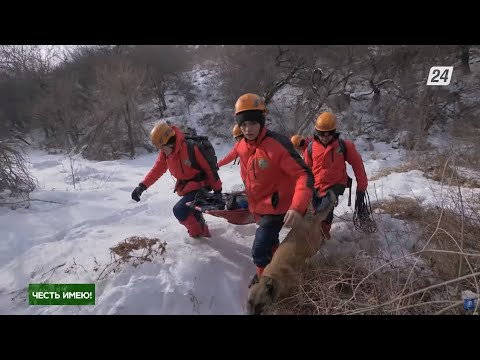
point(291, 218)
point(359, 202)
point(359, 198)
point(137, 192)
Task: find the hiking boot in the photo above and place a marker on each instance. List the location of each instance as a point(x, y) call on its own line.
point(196, 225)
point(206, 231)
point(193, 226)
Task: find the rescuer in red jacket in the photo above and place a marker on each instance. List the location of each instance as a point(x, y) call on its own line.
point(278, 184)
point(326, 156)
point(174, 156)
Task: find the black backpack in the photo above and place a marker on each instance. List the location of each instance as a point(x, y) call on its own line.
point(207, 150)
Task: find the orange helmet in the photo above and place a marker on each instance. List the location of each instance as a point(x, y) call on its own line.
point(237, 131)
point(250, 102)
point(161, 134)
point(326, 121)
point(297, 140)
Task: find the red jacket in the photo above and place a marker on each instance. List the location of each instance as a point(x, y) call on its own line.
point(275, 176)
point(232, 155)
point(328, 165)
point(179, 165)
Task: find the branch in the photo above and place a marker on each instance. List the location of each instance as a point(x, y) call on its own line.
point(52, 270)
point(22, 201)
point(385, 81)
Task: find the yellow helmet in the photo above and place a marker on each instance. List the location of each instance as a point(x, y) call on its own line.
point(237, 131)
point(297, 140)
point(326, 121)
point(249, 102)
point(161, 134)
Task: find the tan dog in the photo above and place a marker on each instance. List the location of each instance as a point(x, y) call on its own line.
point(281, 276)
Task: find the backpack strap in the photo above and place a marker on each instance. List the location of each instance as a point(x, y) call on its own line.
point(343, 150)
point(309, 149)
point(191, 154)
point(343, 147)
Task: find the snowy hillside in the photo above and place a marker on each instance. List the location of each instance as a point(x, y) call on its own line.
point(66, 232)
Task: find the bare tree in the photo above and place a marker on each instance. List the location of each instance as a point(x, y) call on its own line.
point(465, 58)
point(184, 87)
point(259, 69)
point(59, 111)
point(25, 72)
point(29, 59)
point(162, 64)
point(323, 83)
point(14, 175)
point(116, 118)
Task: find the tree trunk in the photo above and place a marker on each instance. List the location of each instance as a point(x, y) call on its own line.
point(160, 93)
point(376, 92)
point(164, 103)
point(129, 130)
point(465, 56)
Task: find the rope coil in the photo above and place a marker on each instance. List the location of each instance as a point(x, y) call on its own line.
point(362, 215)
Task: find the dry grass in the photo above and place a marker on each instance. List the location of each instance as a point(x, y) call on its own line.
point(440, 167)
point(444, 262)
point(444, 229)
point(352, 286)
point(135, 250)
point(126, 247)
point(404, 167)
point(435, 166)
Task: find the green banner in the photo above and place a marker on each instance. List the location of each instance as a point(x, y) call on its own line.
point(61, 294)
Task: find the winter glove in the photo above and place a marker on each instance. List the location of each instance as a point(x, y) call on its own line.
point(138, 192)
point(218, 198)
point(360, 196)
point(217, 195)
